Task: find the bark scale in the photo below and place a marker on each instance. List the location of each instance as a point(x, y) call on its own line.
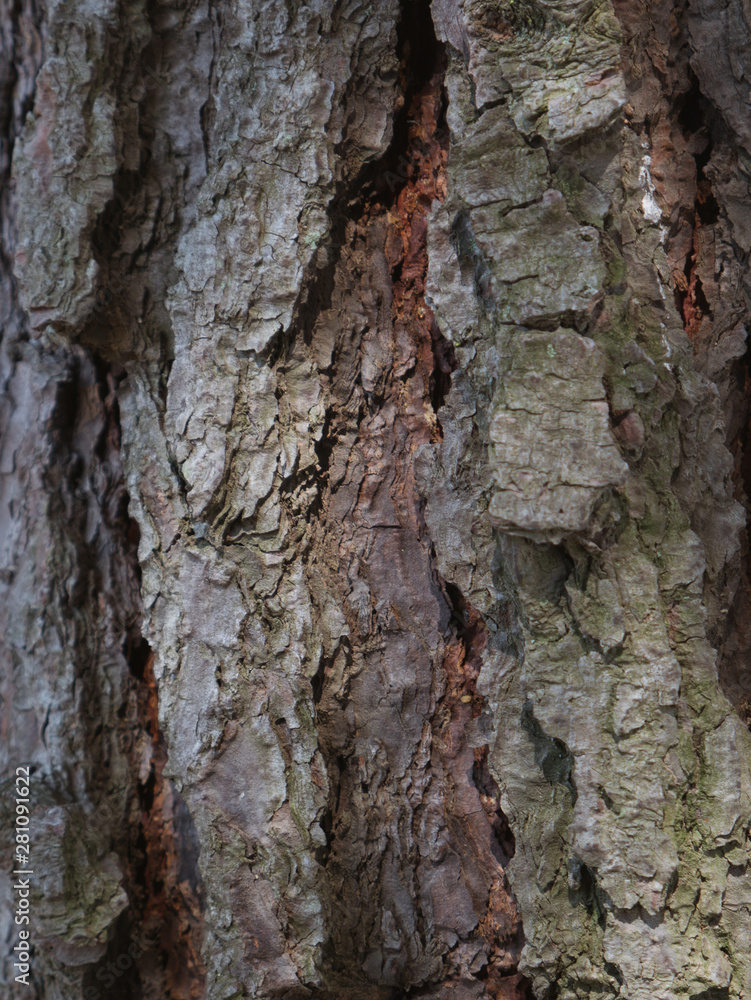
point(373, 377)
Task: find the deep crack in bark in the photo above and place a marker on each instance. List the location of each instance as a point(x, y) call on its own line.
point(391, 375)
point(155, 947)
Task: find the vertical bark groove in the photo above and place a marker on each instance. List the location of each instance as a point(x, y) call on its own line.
point(395, 411)
point(696, 166)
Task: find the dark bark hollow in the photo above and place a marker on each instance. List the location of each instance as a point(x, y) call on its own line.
point(373, 491)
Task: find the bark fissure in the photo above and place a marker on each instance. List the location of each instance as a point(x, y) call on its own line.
point(405, 395)
point(697, 127)
point(697, 165)
point(154, 947)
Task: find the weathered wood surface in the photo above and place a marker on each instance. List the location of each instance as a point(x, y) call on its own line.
point(373, 497)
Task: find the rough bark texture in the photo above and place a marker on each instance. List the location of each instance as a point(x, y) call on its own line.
point(376, 588)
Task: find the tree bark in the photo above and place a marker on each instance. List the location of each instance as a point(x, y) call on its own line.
point(373, 490)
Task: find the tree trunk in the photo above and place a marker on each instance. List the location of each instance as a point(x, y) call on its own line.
point(373, 477)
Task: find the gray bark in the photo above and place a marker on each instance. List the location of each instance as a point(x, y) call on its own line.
point(373, 498)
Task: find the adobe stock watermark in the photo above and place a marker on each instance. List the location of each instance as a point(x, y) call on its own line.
point(108, 974)
point(22, 871)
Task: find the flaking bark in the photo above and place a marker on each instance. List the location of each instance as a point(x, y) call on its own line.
point(373, 497)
